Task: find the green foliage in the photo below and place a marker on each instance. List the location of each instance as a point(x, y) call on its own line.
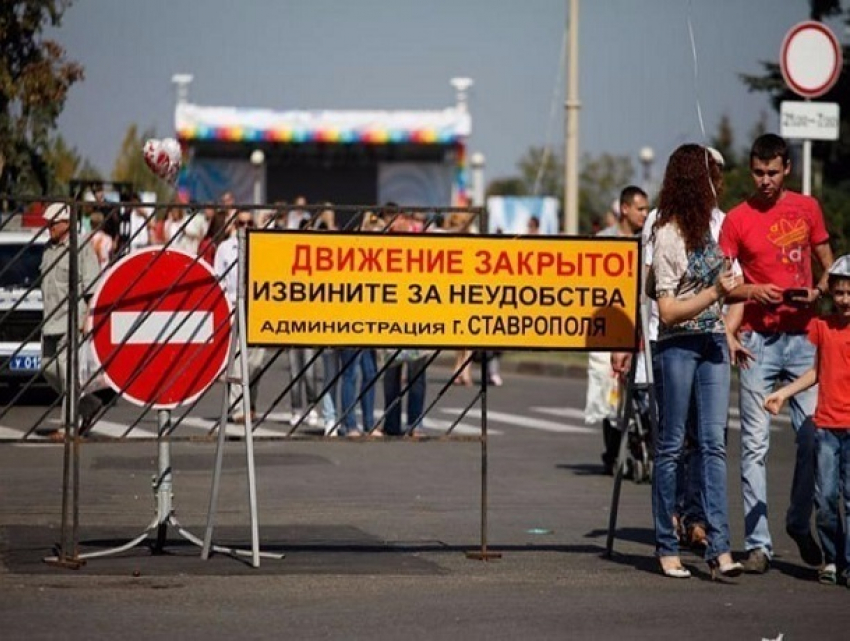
point(35, 77)
point(600, 181)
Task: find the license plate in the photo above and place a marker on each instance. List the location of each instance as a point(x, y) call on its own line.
point(22, 363)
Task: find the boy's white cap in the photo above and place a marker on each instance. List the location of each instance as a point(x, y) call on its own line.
point(57, 212)
point(841, 267)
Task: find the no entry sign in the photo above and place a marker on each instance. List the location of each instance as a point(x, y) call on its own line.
point(161, 327)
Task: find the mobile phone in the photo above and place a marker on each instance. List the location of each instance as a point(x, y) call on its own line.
point(795, 296)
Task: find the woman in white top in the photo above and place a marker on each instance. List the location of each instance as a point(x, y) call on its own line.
point(690, 278)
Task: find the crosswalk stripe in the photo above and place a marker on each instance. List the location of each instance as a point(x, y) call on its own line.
point(231, 429)
point(517, 420)
point(561, 412)
point(460, 429)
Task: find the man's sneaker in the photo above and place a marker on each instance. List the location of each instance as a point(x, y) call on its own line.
point(757, 562)
point(809, 548)
point(329, 426)
point(313, 418)
point(828, 575)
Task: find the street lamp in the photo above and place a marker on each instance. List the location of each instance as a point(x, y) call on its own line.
point(477, 162)
point(257, 159)
point(646, 156)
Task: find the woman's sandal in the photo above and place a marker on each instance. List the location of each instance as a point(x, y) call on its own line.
point(674, 571)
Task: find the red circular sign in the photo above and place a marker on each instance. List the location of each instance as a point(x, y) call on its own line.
point(810, 59)
point(161, 327)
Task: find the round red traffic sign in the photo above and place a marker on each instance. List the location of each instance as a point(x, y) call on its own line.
point(810, 59)
point(162, 327)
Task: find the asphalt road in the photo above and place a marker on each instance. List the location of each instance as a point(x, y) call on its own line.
point(375, 535)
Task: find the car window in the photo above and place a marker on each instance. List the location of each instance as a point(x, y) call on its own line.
point(20, 271)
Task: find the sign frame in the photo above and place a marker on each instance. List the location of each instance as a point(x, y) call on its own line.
point(273, 260)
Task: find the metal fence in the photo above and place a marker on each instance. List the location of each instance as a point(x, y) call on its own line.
point(31, 410)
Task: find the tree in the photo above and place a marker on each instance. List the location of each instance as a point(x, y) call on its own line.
point(35, 77)
point(600, 182)
point(130, 164)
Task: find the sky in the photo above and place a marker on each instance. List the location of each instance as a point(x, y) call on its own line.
point(637, 81)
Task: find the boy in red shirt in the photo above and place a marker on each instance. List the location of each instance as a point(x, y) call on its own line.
point(831, 372)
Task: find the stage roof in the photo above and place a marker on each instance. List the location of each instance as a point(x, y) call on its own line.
point(230, 124)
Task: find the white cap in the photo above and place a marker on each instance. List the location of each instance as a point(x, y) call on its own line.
point(57, 212)
point(718, 157)
point(841, 267)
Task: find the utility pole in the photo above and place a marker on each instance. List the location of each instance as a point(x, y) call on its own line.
point(571, 138)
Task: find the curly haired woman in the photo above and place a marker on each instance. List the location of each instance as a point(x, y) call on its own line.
point(691, 278)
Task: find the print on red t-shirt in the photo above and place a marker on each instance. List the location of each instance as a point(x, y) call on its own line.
point(774, 245)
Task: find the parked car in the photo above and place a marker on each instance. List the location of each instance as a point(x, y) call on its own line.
point(20, 329)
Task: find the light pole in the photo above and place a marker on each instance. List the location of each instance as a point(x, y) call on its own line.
point(573, 105)
point(257, 159)
point(646, 155)
point(477, 163)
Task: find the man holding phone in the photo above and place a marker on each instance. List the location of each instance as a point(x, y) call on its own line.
point(775, 235)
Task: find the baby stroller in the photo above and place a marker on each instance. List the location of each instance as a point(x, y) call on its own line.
point(640, 437)
point(638, 450)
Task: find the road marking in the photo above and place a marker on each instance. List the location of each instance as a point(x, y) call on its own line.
point(461, 429)
point(518, 420)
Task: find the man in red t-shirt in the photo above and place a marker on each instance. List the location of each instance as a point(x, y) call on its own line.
point(774, 235)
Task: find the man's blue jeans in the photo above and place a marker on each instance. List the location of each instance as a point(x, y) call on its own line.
point(415, 395)
point(778, 358)
point(352, 360)
point(694, 368)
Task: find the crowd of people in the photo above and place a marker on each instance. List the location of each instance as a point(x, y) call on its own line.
point(210, 233)
point(744, 289)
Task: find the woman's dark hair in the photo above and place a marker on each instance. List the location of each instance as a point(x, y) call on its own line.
point(217, 230)
point(687, 195)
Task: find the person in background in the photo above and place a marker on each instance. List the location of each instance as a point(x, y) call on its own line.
point(459, 223)
point(603, 383)
point(174, 228)
point(296, 216)
point(216, 234)
point(774, 235)
point(140, 224)
point(413, 360)
point(533, 226)
point(830, 372)
point(225, 267)
point(689, 279)
point(55, 285)
point(101, 243)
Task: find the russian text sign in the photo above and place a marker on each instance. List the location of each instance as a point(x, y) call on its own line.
point(441, 291)
point(809, 120)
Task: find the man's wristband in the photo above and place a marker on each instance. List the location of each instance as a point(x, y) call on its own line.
point(821, 292)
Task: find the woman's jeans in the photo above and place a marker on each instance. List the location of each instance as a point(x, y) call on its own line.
point(833, 462)
point(693, 366)
point(688, 488)
point(352, 360)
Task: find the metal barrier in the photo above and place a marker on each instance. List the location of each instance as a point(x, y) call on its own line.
point(22, 382)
